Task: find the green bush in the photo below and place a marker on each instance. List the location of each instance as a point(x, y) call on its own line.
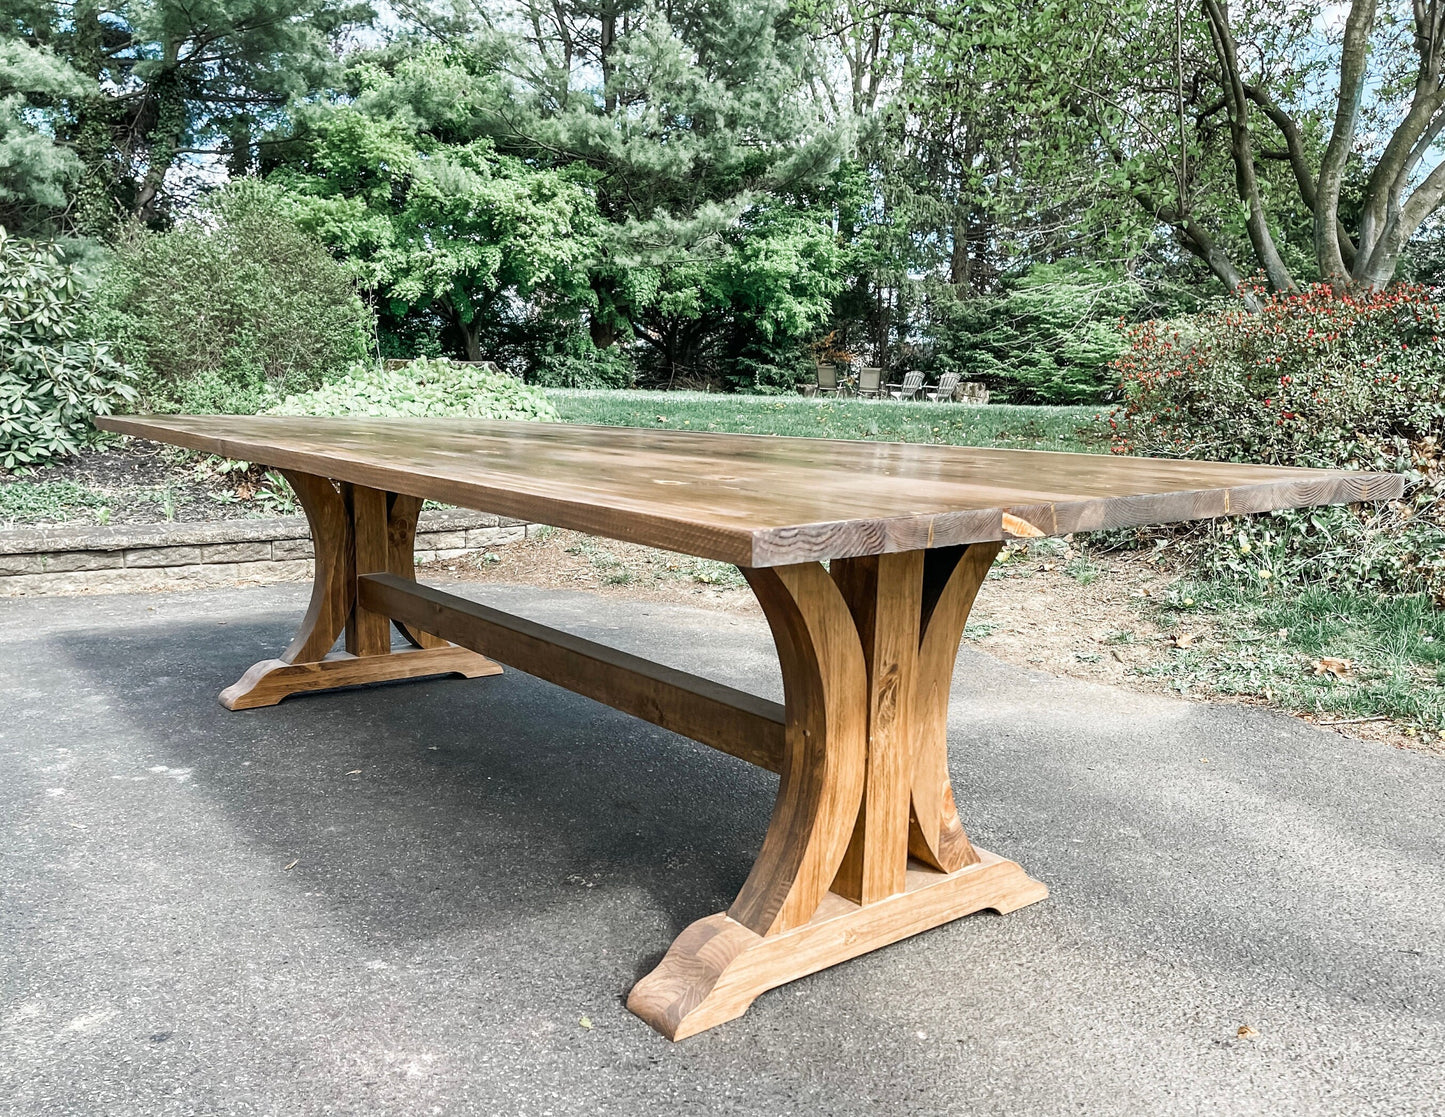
point(232, 311)
point(425, 388)
point(570, 360)
point(51, 380)
point(1051, 337)
point(1317, 380)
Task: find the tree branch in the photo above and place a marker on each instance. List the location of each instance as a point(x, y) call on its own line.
point(1353, 59)
point(1298, 161)
point(1245, 178)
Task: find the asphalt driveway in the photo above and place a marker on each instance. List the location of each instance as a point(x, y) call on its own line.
point(405, 899)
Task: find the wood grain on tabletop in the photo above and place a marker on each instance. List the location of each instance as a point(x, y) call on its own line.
point(754, 500)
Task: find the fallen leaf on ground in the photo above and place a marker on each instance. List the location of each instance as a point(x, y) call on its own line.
point(1181, 639)
point(1246, 1032)
point(586, 1023)
point(291, 866)
point(1336, 668)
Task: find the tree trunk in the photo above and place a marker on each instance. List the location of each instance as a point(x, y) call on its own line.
point(94, 213)
point(606, 40)
point(1354, 57)
point(472, 337)
point(1246, 180)
point(602, 333)
point(960, 264)
point(163, 140)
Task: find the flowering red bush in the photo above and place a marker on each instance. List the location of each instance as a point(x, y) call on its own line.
point(1312, 379)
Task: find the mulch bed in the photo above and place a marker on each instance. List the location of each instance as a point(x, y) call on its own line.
point(141, 482)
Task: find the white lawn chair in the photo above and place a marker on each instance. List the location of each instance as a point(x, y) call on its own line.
point(947, 385)
point(910, 388)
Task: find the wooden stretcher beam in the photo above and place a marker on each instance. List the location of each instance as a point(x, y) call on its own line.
point(729, 720)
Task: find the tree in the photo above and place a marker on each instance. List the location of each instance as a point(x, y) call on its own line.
point(1252, 135)
point(686, 123)
point(148, 97)
point(35, 172)
point(1051, 336)
point(432, 225)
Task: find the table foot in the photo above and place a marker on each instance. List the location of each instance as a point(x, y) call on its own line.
point(717, 967)
point(271, 680)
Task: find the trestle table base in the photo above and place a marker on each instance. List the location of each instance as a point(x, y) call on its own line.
point(865, 846)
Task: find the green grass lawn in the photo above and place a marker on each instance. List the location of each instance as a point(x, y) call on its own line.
point(1388, 652)
point(1019, 428)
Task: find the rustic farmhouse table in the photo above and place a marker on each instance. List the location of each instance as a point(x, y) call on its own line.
point(865, 846)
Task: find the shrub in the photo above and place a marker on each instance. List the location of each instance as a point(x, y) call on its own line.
point(51, 380)
point(232, 311)
point(1312, 379)
point(566, 358)
point(1051, 337)
point(425, 388)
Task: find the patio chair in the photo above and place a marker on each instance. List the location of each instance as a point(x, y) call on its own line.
point(870, 383)
point(972, 392)
point(827, 380)
point(910, 387)
point(947, 385)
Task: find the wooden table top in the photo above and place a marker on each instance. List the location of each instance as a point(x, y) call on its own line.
point(755, 500)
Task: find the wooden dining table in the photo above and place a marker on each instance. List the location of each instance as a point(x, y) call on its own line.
point(865, 558)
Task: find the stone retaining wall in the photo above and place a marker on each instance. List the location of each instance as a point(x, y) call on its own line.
point(61, 558)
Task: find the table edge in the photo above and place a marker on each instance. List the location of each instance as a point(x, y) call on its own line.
point(780, 546)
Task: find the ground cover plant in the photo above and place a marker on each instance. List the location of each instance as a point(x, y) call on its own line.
point(424, 388)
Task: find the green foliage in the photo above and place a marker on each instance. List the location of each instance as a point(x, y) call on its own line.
point(120, 98)
point(451, 229)
point(52, 379)
point(1312, 380)
point(740, 306)
point(233, 310)
point(509, 194)
point(425, 388)
point(34, 171)
point(566, 358)
point(1051, 337)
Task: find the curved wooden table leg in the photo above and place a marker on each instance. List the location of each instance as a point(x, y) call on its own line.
point(867, 656)
point(350, 526)
point(818, 796)
point(401, 559)
point(952, 577)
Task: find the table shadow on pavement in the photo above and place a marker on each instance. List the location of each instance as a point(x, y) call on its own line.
point(420, 806)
